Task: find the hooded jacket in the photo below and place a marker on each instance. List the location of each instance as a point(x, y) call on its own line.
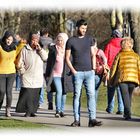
point(112, 49)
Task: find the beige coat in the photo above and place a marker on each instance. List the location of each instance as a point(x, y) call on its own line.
point(30, 66)
point(126, 66)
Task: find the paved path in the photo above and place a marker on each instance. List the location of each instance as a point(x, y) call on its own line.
point(45, 116)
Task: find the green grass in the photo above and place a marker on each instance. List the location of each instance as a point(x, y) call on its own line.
point(102, 101)
point(13, 123)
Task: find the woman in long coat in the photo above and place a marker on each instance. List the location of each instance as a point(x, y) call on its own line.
point(30, 66)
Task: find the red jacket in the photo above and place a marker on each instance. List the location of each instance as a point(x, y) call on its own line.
point(112, 49)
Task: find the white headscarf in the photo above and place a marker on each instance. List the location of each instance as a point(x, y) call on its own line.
point(64, 36)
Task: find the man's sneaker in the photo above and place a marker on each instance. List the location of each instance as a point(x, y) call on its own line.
point(94, 122)
point(119, 112)
point(50, 106)
point(57, 114)
point(62, 114)
point(75, 124)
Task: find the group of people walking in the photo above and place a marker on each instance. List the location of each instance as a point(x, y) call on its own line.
point(67, 64)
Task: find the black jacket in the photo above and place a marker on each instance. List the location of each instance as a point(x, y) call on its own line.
point(66, 79)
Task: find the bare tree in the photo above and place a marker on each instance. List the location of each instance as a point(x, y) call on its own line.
point(135, 29)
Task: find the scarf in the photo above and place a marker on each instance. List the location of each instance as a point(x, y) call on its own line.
point(8, 48)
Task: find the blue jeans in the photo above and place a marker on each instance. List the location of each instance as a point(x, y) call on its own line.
point(111, 99)
point(18, 82)
point(60, 97)
point(88, 79)
point(98, 80)
point(41, 98)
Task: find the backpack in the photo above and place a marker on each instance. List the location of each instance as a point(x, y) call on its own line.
point(99, 64)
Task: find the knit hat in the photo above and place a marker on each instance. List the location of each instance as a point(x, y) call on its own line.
point(116, 33)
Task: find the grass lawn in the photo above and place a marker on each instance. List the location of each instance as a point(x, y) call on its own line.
point(19, 124)
point(102, 101)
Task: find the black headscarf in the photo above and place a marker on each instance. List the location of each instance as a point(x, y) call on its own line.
point(6, 47)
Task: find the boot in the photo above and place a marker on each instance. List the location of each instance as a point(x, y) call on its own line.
point(8, 112)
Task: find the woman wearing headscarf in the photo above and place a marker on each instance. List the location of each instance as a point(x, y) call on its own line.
point(30, 66)
point(8, 53)
point(56, 73)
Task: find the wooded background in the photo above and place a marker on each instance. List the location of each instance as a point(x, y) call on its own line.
point(99, 23)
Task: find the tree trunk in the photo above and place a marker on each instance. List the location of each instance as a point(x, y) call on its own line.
point(135, 29)
point(1, 22)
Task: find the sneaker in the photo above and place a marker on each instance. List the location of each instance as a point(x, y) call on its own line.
point(75, 124)
point(119, 112)
point(57, 114)
point(62, 114)
point(50, 106)
point(94, 122)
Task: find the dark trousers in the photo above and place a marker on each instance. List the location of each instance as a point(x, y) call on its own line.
point(6, 85)
point(126, 90)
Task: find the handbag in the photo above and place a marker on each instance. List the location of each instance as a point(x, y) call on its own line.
point(136, 91)
point(99, 65)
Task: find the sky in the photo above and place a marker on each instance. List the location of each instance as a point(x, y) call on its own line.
point(68, 4)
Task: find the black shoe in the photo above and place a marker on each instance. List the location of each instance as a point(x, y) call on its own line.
point(50, 106)
point(119, 112)
point(57, 114)
point(33, 115)
point(75, 124)
point(108, 111)
point(93, 123)
point(127, 117)
point(62, 114)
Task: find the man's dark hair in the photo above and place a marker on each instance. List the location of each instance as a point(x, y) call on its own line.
point(44, 31)
point(81, 22)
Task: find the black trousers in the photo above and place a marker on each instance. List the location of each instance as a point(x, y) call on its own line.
point(126, 91)
point(6, 85)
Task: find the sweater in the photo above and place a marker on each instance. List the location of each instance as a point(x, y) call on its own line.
point(7, 60)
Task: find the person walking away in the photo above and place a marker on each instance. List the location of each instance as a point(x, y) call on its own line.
point(126, 68)
point(8, 54)
point(102, 68)
point(18, 81)
point(111, 50)
point(82, 67)
point(45, 40)
point(30, 66)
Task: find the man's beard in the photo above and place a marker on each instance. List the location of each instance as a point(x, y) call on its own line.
point(80, 34)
